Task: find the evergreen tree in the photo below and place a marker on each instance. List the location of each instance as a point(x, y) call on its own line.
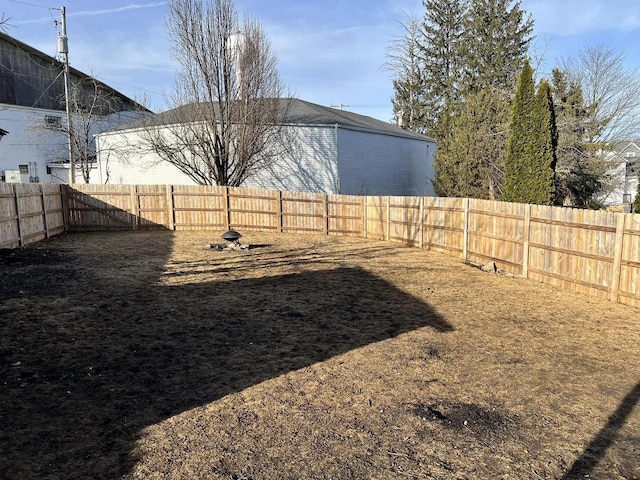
point(440, 48)
point(545, 146)
point(496, 41)
point(531, 149)
point(516, 172)
point(469, 49)
point(578, 173)
point(473, 165)
point(490, 53)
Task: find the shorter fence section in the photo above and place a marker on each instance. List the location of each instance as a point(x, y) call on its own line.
point(29, 213)
point(592, 252)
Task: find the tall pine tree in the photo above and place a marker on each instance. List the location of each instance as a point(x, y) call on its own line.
point(493, 46)
point(529, 173)
point(496, 41)
point(440, 48)
point(469, 49)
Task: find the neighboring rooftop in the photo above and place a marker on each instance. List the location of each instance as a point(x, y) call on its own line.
point(31, 78)
point(307, 113)
point(298, 112)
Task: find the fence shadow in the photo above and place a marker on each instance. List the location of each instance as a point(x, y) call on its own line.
point(86, 212)
point(599, 445)
point(94, 347)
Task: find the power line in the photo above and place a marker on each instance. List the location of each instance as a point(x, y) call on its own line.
point(32, 4)
point(107, 82)
point(47, 89)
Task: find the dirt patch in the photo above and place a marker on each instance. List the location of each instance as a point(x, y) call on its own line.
point(149, 355)
point(459, 416)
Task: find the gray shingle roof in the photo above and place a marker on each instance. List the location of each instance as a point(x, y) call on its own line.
point(306, 113)
point(302, 113)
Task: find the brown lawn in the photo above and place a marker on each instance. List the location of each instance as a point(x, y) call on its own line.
point(146, 355)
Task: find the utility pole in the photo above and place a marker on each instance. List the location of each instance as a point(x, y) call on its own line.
point(63, 49)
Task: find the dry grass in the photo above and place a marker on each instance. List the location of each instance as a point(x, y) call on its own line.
point(145, 355)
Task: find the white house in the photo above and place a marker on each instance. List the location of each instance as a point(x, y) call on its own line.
point(626, 160)
point(333, 151)
point(33, 146)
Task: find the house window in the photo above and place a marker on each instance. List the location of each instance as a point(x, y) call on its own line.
point(53, 121)
point(626, 198)
point(24, 169)
point(48, 170)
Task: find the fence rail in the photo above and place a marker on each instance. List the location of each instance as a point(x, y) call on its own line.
point(592, 252)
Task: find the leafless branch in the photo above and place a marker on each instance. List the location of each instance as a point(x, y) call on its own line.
point(227, 120)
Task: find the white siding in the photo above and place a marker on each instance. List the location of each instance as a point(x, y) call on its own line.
point(311, 165)
point(625, 185)
point(30, 142)
point(122, 159)
point(324, 159)
point(376, 164)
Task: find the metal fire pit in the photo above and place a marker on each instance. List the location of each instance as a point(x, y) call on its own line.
point(232, 236)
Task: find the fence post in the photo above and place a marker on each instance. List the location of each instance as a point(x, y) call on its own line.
point(134, 207)
point(388, 232)
point(421, 222)
point(171, 219)
point(526, 237)
point(465, 234)
point(280, 215)
point(44, 211)
point(365, 216)
point(326, 214)
point(227, 207)
point(617, 257)
point(16, 196)
point(66, 209)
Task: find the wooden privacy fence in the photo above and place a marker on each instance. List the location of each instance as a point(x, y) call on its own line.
point(29, 213)
point(187, 207)
point(592, 252)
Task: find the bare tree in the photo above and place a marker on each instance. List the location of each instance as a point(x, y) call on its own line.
point(228, 118)
point(94, 109)
point(406, 65)
point(4, 21)
point(598, 101)
point(611, 94)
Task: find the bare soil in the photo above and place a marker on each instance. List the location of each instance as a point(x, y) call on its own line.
point(147, 355)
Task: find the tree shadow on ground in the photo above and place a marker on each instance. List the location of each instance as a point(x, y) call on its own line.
point(597, 448)
point(90, 356)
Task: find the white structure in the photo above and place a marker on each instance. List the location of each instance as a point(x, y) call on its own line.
point(334, 151)
point(626, 158)
point(34, 147)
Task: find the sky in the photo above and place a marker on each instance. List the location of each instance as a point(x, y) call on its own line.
point(330, 53)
